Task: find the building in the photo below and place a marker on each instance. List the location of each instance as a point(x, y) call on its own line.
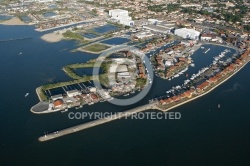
point(115, 68)
point(157, 28)
point(118, 12)
point(58, 103)
point(205, 37)
point(73, 93)
point(123, 75)
point(55, 97)
point(168, 63)
point(203, 86)
point(121, 16)
point(187, 33)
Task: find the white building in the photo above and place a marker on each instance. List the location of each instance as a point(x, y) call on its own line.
point(73, 93)
point(115, 68)
point(187, 33)
point(118, 12)
point(168, 63)
point(153, 21)
point(205, 38)
point(157, 28)
point(121, 16)
point(124, 74)
point(55, 97)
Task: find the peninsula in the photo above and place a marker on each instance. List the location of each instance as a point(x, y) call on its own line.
point(170, 35)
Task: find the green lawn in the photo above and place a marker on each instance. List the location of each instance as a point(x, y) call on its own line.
point(96, 47)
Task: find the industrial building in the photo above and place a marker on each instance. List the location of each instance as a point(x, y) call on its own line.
point(157, 28)
point(118, 12)
point(121, 16)
point(187, 33)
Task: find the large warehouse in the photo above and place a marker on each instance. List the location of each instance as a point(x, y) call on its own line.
point(118, 12)
point(187, 33)
point(121, 16)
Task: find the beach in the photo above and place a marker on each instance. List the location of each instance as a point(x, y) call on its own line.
point(52, 37)
point(13, 21)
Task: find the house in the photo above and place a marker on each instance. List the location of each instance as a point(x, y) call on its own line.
point(94, 97)
point(188, 94)
point(176, 98)
point(202, 86)
point(58, 103)
point(163, 102)
point(182, 59)
point(213, 79)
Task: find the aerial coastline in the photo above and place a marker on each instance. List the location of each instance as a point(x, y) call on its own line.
point(171, 38)
point(154, 104)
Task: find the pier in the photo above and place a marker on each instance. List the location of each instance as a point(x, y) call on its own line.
point(97, 122)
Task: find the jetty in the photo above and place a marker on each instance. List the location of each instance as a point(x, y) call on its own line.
point(97, 122)
point(24, 38)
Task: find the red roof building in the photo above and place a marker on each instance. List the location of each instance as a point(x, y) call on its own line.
point(213, 79)
point(188, 94)
point(58, 103)
point(203, 86)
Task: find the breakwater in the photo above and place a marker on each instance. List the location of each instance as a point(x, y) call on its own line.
point(7, 40)
point(97, 122)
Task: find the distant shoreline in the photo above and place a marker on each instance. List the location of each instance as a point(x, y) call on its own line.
point(13, 21)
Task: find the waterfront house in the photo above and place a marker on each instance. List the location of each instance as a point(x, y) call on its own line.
point(58, 103)
point(94, 97)
point(238, 61)
point(182, 96)
point(169, 100)
point(224, 72)
point(200, 88)
point(163, 102)
point(219, 76)
point(182, 59)
point(176, 98)
point(188, 94)
point(230, 68)
point(213, 79)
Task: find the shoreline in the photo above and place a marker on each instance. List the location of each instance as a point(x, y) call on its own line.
point(70, 24)
point(13, 21)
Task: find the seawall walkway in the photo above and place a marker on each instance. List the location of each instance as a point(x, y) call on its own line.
point(87, 125)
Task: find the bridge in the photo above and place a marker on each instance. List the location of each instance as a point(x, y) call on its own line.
point(97, 122)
